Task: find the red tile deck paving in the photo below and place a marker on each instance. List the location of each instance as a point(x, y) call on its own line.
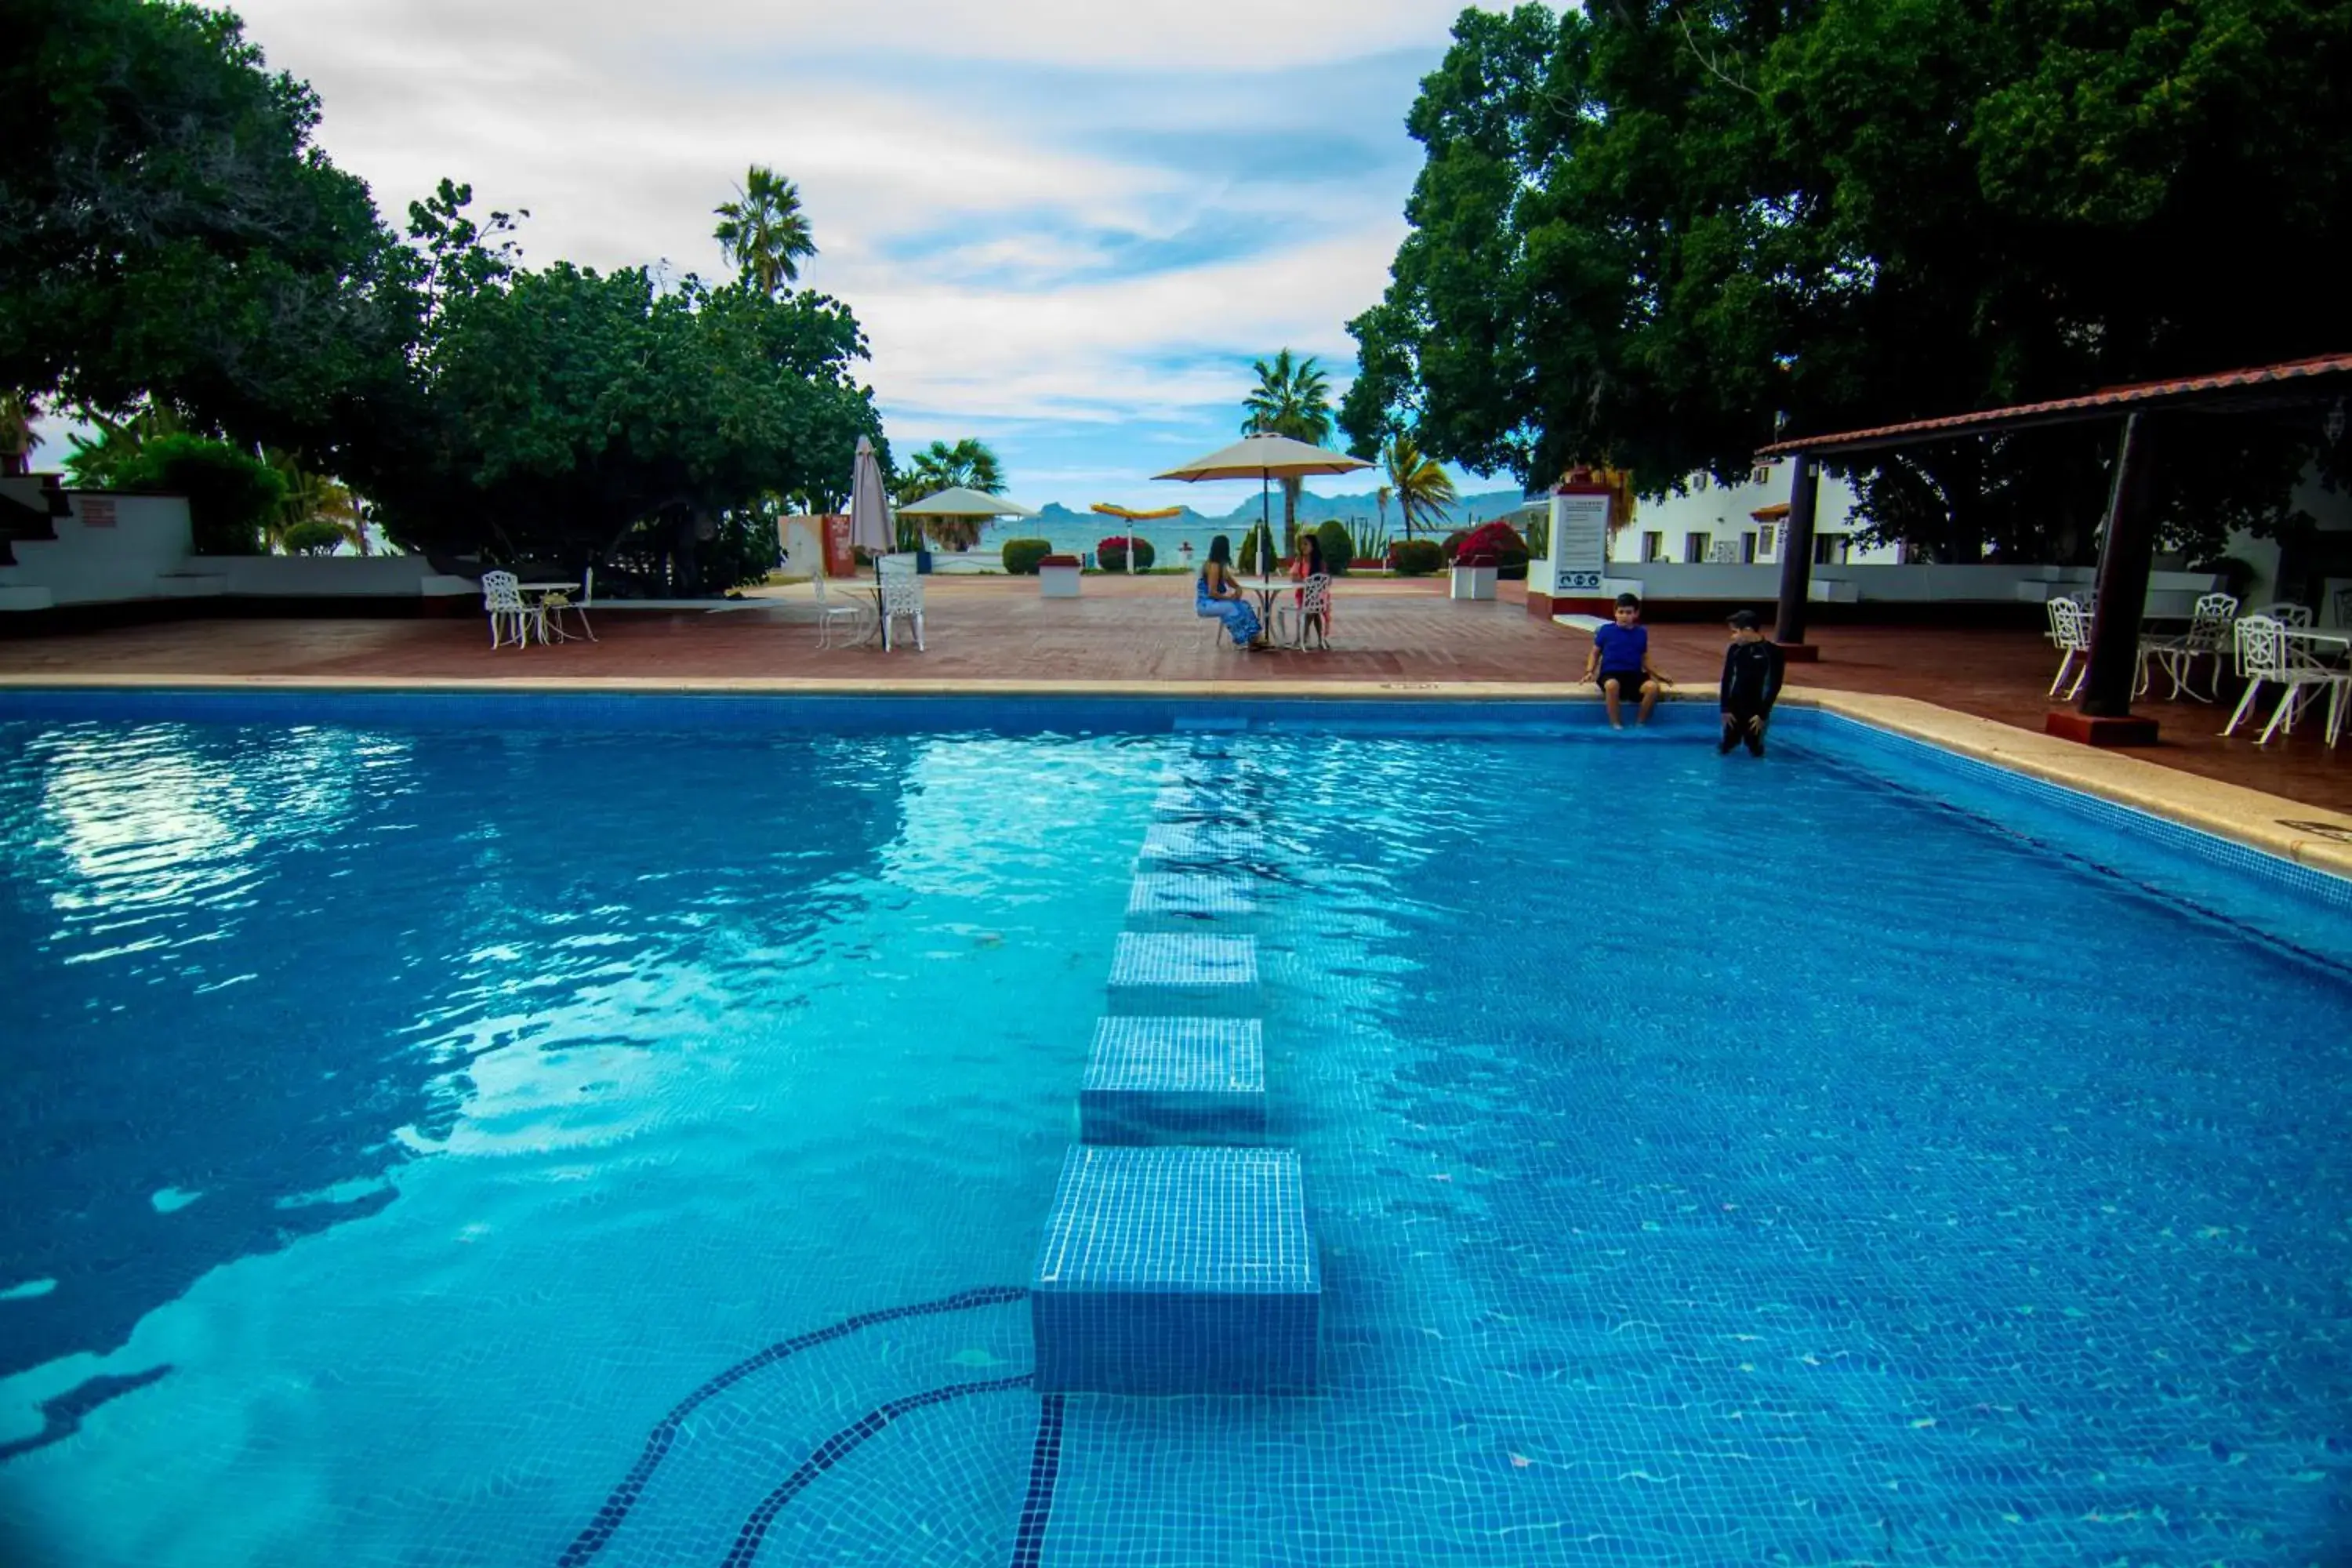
point(1385, 632)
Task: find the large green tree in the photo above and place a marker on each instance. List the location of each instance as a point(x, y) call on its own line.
point(585, 416)
point(1658, 235)
point(168, 229)
point(1293, 398)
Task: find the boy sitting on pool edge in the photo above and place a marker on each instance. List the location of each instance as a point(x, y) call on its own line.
point(1621, 653)
point(1752, 668)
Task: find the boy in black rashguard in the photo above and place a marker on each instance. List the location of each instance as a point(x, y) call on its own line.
point(1751, 679)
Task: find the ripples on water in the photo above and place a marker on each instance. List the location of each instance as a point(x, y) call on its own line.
point(399, 1120)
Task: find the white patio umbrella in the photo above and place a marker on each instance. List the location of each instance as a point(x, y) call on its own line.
point(969, 504)
point(869, 507)
point(1264, 458)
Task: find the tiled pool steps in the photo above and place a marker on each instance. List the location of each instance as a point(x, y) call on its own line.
point(1177, 1257)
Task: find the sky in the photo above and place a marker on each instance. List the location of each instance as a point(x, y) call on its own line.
point(1066, 226)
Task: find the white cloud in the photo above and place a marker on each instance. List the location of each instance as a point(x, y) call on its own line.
point(1052, 217)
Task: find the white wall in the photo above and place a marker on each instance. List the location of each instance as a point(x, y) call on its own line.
point(145, 555)
point(327, 576)
point(87, 565)
point(2333, 510)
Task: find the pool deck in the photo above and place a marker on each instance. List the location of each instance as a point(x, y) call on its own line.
point(1979, 692)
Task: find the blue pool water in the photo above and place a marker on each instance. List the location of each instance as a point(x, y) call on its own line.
point(418, 1111)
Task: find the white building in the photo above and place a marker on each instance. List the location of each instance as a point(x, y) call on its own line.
point(1743, 524)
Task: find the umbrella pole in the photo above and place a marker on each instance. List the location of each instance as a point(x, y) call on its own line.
point(1265, 525)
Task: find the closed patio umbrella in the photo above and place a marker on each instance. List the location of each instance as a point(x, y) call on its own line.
point(869, 509)
point(1264, 458)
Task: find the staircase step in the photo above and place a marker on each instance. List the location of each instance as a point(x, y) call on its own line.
point(1173, 972)
point(1177, 1270)
point(1175, 1081)
point(1190, 901)
point(1203, 844)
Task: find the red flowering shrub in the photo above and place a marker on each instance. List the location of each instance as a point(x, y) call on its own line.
point(1496, 543)
point(1110, 554)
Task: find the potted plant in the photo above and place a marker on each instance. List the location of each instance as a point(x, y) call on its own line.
point(911, 541)
point(1057, 576)
point(1475, 561)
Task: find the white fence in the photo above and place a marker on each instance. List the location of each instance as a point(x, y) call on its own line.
point(2169, 592)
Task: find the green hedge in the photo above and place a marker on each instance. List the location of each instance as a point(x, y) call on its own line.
point(1339, 548)
point(1022, 555)
point(1417, 557)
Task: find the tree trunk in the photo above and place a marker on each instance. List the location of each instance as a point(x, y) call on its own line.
point(1290, 489)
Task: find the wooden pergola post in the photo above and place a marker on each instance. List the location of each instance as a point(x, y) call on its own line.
point(2103, 716)
point(1797, 560)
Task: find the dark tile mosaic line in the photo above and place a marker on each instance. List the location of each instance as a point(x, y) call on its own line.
point(61, 1416)
point(1045, 1466)
point(624, 1496)
point(834, 1450)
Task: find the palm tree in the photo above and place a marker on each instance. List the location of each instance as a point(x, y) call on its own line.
point(1422, 487)
point(1292, 398)
point(765, 232)
point(939, 466)
point(1384, 496)
point(316, 514)
point(98, 464)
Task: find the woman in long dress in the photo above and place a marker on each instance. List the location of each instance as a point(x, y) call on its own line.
point(1214, 593)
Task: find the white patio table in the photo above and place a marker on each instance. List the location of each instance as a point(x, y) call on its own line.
point(549, 631)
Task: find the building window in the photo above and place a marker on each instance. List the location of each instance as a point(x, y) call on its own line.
point(1832, 549)
point(1695, 548)
point(1654, 547)
point(1767, 538)
point(1748, 548)
point(1762, 475)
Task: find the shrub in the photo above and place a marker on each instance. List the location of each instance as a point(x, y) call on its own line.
point(1246, 558)
point(231, 494)
point(1338, 549)
point(1110, 554)
point(1453, 545)
point(1416, 557)
point(1022, 555)
point(1495, 544)
point(313, 536)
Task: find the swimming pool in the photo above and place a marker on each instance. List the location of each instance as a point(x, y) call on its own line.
point(422, 1109)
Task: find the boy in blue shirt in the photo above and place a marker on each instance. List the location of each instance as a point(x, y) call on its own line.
point(1621, 653)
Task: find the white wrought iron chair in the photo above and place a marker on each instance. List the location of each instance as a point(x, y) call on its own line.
point(2070, 632)
point(902, 599)
point(1310, 610)
point(2287, 613)
point(555, 601)
point(2267, 649)
point(510, 618)
point(832, 612)
point(2207, 638)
